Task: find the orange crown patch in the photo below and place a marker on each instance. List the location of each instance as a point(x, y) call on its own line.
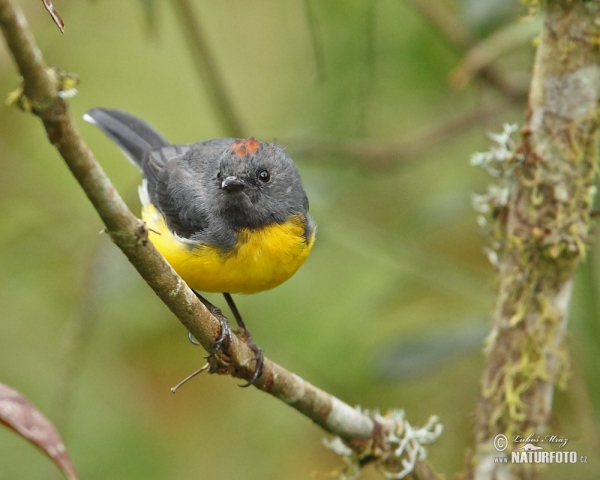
point(245, 147)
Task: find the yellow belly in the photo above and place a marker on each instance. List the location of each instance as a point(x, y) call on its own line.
point(265, 257)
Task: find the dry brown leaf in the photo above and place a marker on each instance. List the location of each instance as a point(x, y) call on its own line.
point(54, 14)
point(18, 414)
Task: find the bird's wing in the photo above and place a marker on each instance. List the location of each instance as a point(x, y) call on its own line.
point(176, 190)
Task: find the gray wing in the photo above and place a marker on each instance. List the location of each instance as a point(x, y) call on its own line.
point(175, 190)
point(178, 176)
point(181, 179)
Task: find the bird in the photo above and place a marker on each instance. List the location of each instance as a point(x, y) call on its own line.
point(230, 215)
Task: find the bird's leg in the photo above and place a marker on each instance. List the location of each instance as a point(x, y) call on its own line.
point(258, 352)
point(225, 337)
point(235, 311)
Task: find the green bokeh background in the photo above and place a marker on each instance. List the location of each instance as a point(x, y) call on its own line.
point(391, 308)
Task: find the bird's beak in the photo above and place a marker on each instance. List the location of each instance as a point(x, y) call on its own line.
point(232, 184)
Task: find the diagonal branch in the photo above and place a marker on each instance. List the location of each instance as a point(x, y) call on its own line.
point(371, 438)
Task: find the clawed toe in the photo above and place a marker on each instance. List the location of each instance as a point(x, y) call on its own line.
point(192, 339)
point(259, 360)
point(224, 340)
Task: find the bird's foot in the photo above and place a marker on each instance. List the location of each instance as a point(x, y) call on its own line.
point(259, 357)
point(222, 343)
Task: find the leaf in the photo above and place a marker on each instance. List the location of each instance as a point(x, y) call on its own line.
point(18, 414)
point(54, 14)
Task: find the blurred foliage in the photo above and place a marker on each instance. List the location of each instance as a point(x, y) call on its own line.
point(389, 310)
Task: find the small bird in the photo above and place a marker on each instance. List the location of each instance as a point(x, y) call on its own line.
point(230, 215)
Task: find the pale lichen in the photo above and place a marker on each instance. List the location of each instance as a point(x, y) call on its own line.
point(500, 161)
point(396, 454)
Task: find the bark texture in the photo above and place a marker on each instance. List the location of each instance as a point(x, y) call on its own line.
point(546, 227)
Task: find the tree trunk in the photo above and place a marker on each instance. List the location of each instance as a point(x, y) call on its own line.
point(546, 227)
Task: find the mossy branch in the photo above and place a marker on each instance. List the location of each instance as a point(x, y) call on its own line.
point(542, 228)
point(388, 441)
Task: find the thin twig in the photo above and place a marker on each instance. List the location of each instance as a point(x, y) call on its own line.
point(385, 154)
point(208, 70)
point(461, 40)
point(479, 57)
point(80, 329)
point(316, 39)
point(367, 77)
point(190, 376)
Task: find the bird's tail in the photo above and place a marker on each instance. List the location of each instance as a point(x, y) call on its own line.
point(134, 137)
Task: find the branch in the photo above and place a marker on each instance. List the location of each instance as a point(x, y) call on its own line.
point(381, 154)
point(75, 342)
point(461, 40)
point(482, 55)
point(208, 70)
point(542, 218)
point(316, 40)
point(371, 438)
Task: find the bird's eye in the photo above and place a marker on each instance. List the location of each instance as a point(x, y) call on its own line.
point(264, 176)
